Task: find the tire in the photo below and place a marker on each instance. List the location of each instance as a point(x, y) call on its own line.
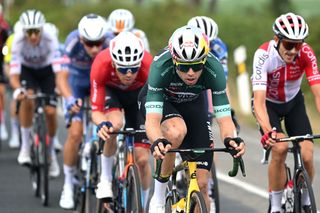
point(91, 202)
point(172, 197)
point(35, 168)
point(302, 182)
point(44, 160)
point(215, 189)
point(133, 191)
point(197, 202)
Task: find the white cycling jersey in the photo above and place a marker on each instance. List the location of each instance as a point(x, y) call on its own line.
point(45, 53)
point(282, 81)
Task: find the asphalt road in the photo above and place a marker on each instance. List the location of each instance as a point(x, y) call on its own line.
point(238, 195)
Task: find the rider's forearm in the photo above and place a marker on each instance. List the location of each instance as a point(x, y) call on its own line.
point(15, 81)
point(63, 84)
point(98, 117)
point(227, 128)
point(262, 117)
point(153, 128)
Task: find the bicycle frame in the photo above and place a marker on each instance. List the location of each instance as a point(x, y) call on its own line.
point(126, 161)
point(191, 165)
point(299, 168)
point(193, 184)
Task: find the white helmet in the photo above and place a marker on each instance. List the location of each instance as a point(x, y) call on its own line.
point(206, 24)
point(121, 20)
point(126, 49)
point(92, 27)
point(188, 44)
point(31, 19)
point(290, 26)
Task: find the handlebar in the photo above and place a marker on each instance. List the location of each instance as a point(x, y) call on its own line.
point(73, 114)
point(297, 138)
point(128, 131)
point(266, 153)
point(237, 162)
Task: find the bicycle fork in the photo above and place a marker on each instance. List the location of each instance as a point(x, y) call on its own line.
point(183, 205)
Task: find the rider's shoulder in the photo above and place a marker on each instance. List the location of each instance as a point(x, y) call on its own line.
point(139, 33)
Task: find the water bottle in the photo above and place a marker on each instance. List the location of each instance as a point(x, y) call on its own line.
point(288, 197)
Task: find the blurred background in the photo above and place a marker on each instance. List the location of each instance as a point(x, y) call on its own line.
point(244, 22)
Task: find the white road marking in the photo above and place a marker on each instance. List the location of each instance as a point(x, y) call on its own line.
point(246, 186)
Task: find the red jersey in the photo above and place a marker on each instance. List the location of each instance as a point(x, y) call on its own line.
point(103, 75)
point(282, 81)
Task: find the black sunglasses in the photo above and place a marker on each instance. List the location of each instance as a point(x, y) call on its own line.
point(185, 66)
point(289, 45)
point(94, 43)
point(32, 31)
point(124, 70)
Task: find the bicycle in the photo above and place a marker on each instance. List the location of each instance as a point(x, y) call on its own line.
point(39, 152)
point(126, 182)
point(88, 164)
point(299, 182)
point(194, 199)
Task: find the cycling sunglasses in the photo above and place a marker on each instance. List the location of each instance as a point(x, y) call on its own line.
point(289, 45)
point(32, 31)
point(124, 70)
point(195, 66)
point(94, 43)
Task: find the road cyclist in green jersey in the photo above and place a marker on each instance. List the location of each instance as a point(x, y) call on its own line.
point(174, 106)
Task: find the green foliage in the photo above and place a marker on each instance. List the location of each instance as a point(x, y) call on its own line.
point(240, 22)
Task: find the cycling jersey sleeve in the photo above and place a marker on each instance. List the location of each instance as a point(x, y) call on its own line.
point(98, 79)
point(158, 79)
point(311, 66)
point(259, 76)
point(15, 63)
point(216, 81)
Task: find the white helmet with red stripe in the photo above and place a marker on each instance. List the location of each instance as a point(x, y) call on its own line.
point(291, 26)
point(189, 44)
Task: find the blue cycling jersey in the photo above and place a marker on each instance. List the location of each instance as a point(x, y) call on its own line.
point(219, 49)
point(79, 60)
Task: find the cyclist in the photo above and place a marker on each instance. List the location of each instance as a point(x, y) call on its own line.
point(219, 49)
point(175, 107)
point(35, 58)
point(117, 75)
point(4, 34)
point(6, 50)
point(121, 20)
point(278, 69)
point(81, 47)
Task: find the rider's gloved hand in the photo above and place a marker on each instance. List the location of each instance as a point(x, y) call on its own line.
point(160, 147)
point(235, 145)
point(103, 129)
point(268, 138)
point(18, 92)
point(73, 104)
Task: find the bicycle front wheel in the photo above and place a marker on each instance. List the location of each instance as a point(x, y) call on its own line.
point(303, 188)
point(133, 191)
point(214, 190)
point(197, 203)
point(44, 160)
point(172, 198)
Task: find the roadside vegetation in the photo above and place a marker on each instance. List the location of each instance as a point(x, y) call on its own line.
point(240, 23)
